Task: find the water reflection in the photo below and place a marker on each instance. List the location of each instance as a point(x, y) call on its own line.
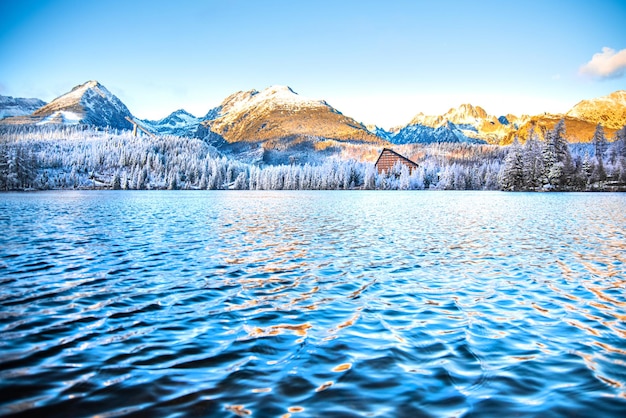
point(287, 304)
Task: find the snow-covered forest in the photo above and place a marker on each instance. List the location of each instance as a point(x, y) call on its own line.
point(71, 157)
point(557, 165)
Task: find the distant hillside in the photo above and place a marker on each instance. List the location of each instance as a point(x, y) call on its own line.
point(16, 106)
point(179, 123)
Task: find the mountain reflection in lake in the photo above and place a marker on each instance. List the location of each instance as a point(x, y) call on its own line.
point(312, 304)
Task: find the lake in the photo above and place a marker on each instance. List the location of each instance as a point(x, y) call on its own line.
point(297, 304)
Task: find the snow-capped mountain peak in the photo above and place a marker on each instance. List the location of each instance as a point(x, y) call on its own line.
point(279, 112)
point(179, 116)
point(89, 103)
point(273, 97)
point(78, 92)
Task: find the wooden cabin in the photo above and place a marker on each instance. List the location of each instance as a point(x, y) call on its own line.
point(388, 158)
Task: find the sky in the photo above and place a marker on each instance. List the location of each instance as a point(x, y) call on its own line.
point(381, 62)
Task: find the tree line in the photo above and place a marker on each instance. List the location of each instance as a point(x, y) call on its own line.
point(81, 157)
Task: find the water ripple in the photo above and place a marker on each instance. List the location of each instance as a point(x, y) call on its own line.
point(312, 303)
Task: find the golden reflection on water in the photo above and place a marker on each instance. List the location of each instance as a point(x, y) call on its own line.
point(298, 329)
point(580, 326)
point(324, 386)
point(619, 317)
point(535, 301)
point(295, 409)
point(347, 323)
point(261, 390)
point(599, 305)
point(539, 308)
point(239, 410)
point(598, 292)
point(342, 367)
point(610, 348)
point(292, 410)
point(608, 381)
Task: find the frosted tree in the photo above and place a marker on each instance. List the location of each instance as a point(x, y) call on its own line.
point(370, 177)
point(618, 155)
point(558, 167)
point(116, 183)
point(598, 172)
point(532, 162)
point(241, 182)
point(172, 183)
point(619, 145)
point(599, 142)
point(512, 173)
point(587, 167)
point(600, 146)
point(417, 179)
point(446, 178)
point(405, 178)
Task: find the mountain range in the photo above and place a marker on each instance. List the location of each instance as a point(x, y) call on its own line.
point(279, 118)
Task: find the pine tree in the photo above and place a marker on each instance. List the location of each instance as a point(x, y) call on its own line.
point(557, 160)
point(599, 142)
point(532, 162)
point(116, 184)
point(404, 181)
point(370, 177)
point(598, 173)
point(241, 182)
point(587, 166)
point(512, 173)
point(172, 183)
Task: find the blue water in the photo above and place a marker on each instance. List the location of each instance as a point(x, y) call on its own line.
point(278, 304)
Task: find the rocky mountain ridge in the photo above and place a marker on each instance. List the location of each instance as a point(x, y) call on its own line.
point(278, 117)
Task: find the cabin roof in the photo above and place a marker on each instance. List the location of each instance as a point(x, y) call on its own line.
point(395, 154)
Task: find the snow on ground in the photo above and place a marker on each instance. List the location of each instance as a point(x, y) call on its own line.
point(61, 116)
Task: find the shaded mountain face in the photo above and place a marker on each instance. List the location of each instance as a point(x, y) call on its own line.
point(178, 123)
point(278, 114)
point(423, 134)
point(16, 106)
point(88, 104)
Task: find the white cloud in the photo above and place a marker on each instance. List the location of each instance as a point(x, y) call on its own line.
point(606, 64)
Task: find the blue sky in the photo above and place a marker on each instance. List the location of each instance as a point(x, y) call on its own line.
point(379, 61)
